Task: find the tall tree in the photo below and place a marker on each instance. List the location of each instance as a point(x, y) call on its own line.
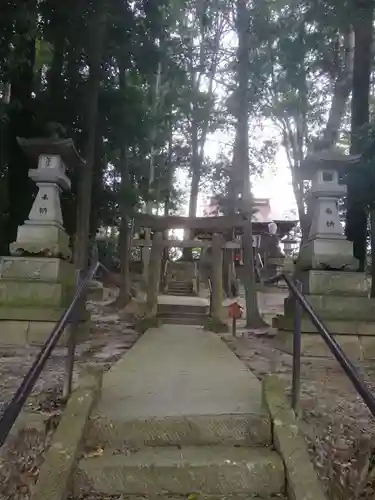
point(209, 22)
point(21, 114)
point(96, 40)
point(241, 170)
point(356, 215)
point(302, 65)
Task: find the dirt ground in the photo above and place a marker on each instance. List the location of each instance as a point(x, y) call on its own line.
point(337, 424)
point(22, 454)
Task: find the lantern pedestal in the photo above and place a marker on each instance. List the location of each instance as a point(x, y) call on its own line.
point(325, 267)
point(327, 254)
point(39, 239)
point(38, 281)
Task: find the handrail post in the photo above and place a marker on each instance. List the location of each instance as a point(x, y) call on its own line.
point(296, 381)
point(72, 340)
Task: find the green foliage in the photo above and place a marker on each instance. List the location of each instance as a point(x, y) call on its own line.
point(362, 175)
point(295, 57)
point(43, 54)
point(53, 40)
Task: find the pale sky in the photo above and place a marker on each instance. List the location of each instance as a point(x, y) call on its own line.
point(277, 186)
point(276, 182)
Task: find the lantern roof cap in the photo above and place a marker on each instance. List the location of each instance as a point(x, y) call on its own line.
point(332, 158)
point(65, 148)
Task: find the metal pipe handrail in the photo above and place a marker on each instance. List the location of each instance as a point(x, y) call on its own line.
point(345, 363)
point(14, 407)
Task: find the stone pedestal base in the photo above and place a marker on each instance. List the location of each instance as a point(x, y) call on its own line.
point(21, 333)
point(340, 299)
point(34, 292)
point(289, 266)
point(355, 346)
point(336, 283)
point(327, 254)
point(39, 239)
point(336, 307)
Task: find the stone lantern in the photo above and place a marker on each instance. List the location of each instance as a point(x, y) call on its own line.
point(327, 247)
point(43, 233)
point(327, 269)
point(273, 258)
point(38, 281)
point(289, 244)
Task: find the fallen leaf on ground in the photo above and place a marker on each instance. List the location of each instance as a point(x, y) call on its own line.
point(94, 453)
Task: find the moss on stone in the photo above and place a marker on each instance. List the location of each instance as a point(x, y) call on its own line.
point(60, 461)
point(34, 294)
point(302, 480)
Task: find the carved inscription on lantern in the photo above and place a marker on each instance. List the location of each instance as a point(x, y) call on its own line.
point(49, 161)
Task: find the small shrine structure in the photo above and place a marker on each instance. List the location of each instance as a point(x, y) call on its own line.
point(267, 234)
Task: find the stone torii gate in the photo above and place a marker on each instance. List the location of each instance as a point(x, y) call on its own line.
point(159, 225)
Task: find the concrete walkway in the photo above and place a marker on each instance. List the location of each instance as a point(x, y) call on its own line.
point(180, 413)
point(177, 371)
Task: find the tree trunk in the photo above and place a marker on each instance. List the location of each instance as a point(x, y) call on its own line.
point(241, 162)
point(198, 141)
point(356, 218)
point(146, 250)
point(195, 170)
point(125, 232)
point(195, 166)
point(21, 123)
point(343, 86)
point(170, 169)
point(95, 51)
point(56, 81)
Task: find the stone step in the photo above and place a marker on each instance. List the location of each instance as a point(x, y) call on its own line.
point(181, 283)
point(180, 287)
point(243, 496)
point(193, 320)
point(179, 290)
point(216, 470)
point(248, 429)
point(182, 309)
point(186, 314)
point(184, 286)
